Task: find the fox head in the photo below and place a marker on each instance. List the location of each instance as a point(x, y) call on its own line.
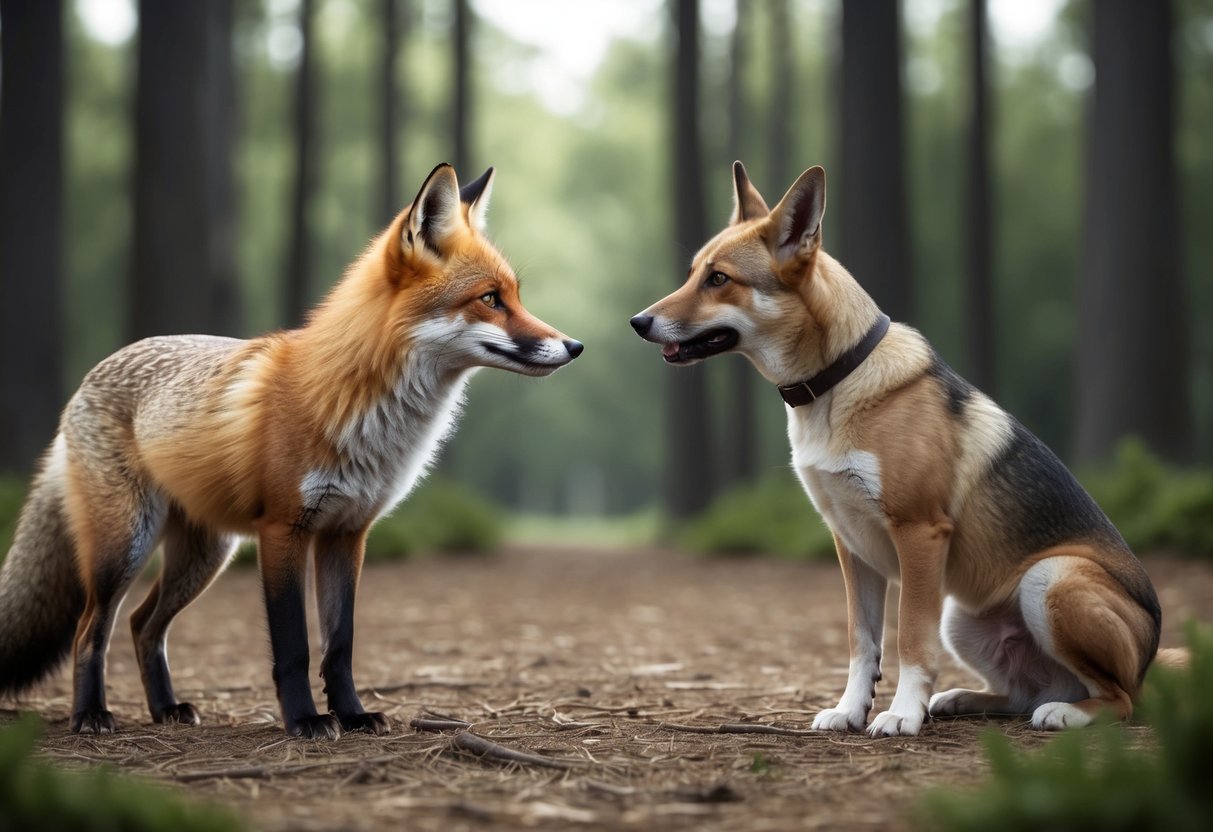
point(762, 287)
point(454, 295)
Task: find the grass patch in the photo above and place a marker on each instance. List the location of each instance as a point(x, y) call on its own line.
point(439, 517)
point(772, 517)
point(1093, 779)
point(642, 528)
point(36, 795)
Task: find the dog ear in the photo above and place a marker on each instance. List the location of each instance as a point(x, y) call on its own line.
point(748, 204)
point(796, 220)
point(435, 213)
point(475, 195)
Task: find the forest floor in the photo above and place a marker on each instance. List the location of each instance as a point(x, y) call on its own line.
point(593, 660)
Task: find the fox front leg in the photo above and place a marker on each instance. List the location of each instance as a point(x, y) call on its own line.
point(338, 565)
point(283, 554)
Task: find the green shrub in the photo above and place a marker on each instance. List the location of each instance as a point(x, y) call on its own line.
point(36, 795)
point(772, 517)
point(1156, 507)
point(12, 495)
point(1092, 779)
point(439, 516)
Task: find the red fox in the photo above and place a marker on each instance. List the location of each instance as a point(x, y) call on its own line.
point(302, 438)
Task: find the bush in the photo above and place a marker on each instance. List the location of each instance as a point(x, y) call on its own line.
point(439, 516)
point(35, 795)
point(1092, 779)
point(1155, 506)
point(774, 516)
point(12, 495)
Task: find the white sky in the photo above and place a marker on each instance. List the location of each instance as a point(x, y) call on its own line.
point(572, 36)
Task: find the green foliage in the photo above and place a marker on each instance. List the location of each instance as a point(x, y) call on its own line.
point(1156, 507)
point(1093, 779)
point(12, 495)
point(35, 795)
point(773, 517)
point(439, 517)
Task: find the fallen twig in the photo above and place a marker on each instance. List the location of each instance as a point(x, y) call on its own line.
point(423, 724)
point(736, 728)
point(481, 747)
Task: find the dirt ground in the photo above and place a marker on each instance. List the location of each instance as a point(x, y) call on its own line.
point(595, 660)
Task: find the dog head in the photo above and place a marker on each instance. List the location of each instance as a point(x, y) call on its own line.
point(748, 283)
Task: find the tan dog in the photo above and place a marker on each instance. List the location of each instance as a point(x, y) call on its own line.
point(923, 481)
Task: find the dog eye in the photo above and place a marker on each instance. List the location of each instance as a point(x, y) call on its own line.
point(717, 279)
point(490, 299)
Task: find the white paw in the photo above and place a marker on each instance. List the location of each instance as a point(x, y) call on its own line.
point(840, 719)
point(1054, 716)
point(947, 703)
point(893, 724)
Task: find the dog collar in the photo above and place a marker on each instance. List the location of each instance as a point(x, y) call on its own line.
point(809, 391)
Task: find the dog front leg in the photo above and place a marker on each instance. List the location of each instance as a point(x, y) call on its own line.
point(922, 549)
point(865, 628)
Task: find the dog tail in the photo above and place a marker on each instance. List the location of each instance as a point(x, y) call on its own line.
point(41, 593)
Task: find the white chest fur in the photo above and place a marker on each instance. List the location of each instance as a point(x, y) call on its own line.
point(844, 484)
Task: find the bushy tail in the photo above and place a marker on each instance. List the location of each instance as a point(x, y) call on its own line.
point(41, 596)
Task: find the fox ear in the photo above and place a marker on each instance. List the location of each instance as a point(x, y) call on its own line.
point(796, 220)
point(748, 204)
point(475, 195)
point(435, 213)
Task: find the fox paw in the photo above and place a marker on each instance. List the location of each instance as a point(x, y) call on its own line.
point(1055, 716)
point(183, 713)
point(372, 722)
point(317, 727)
point(890, 724)
point(92, 722)
point(840, 719)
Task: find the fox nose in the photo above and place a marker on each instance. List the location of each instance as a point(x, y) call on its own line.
point(575, 348)
point(641, 324)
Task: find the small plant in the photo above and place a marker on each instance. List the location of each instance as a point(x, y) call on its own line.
point(36, 795)
point(439, 517)
point(772, 517)
point(1093, 779)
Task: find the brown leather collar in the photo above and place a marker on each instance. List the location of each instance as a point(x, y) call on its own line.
point(809, 391)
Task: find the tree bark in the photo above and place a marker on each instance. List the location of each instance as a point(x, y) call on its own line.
point(391, 106)
point(872, 213)
point(298, 270)
point(31, 213)
point(979, 298)
point(461, 120)
point(688, 481)
point(184, 236)
point(1133, 362)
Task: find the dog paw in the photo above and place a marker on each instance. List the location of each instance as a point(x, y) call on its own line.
point(318, 727)
point(893, 724)
point(371, 722)
point(1054, 716)
point(949, 703)
point(92, 722)
point(840, 719)
point(182, 713)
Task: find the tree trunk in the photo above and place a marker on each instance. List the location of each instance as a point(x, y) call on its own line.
point(31, 211)
point(743, 441)
point(390, 107)
point(1133, 363)
point(461, 121)
point(979, 299)
point(297, 284)
point(688, 485)
point(872, 215)
point(184, 234)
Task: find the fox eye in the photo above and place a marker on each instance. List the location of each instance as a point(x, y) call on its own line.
point(491, 300)
point(717, 279)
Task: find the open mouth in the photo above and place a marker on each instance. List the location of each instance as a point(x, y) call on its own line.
point(712, 342)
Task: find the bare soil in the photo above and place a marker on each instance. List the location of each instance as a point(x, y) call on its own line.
point(594, 659)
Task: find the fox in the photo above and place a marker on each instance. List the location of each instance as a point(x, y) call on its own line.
point(300, 439)
point(1000, 555)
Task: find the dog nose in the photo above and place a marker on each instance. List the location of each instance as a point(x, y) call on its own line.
point(641, 324)
point(575, 348)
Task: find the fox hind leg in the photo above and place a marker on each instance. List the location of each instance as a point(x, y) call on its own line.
point(193, 557)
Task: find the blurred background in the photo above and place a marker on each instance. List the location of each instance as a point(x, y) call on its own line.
point(1029, 182)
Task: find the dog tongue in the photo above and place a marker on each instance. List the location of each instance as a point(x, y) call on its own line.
point(670, 350)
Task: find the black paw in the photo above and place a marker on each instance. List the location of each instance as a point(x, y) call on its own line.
point(183, 713)
point(372, 723)
point(318, 727)
point(92, 722)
